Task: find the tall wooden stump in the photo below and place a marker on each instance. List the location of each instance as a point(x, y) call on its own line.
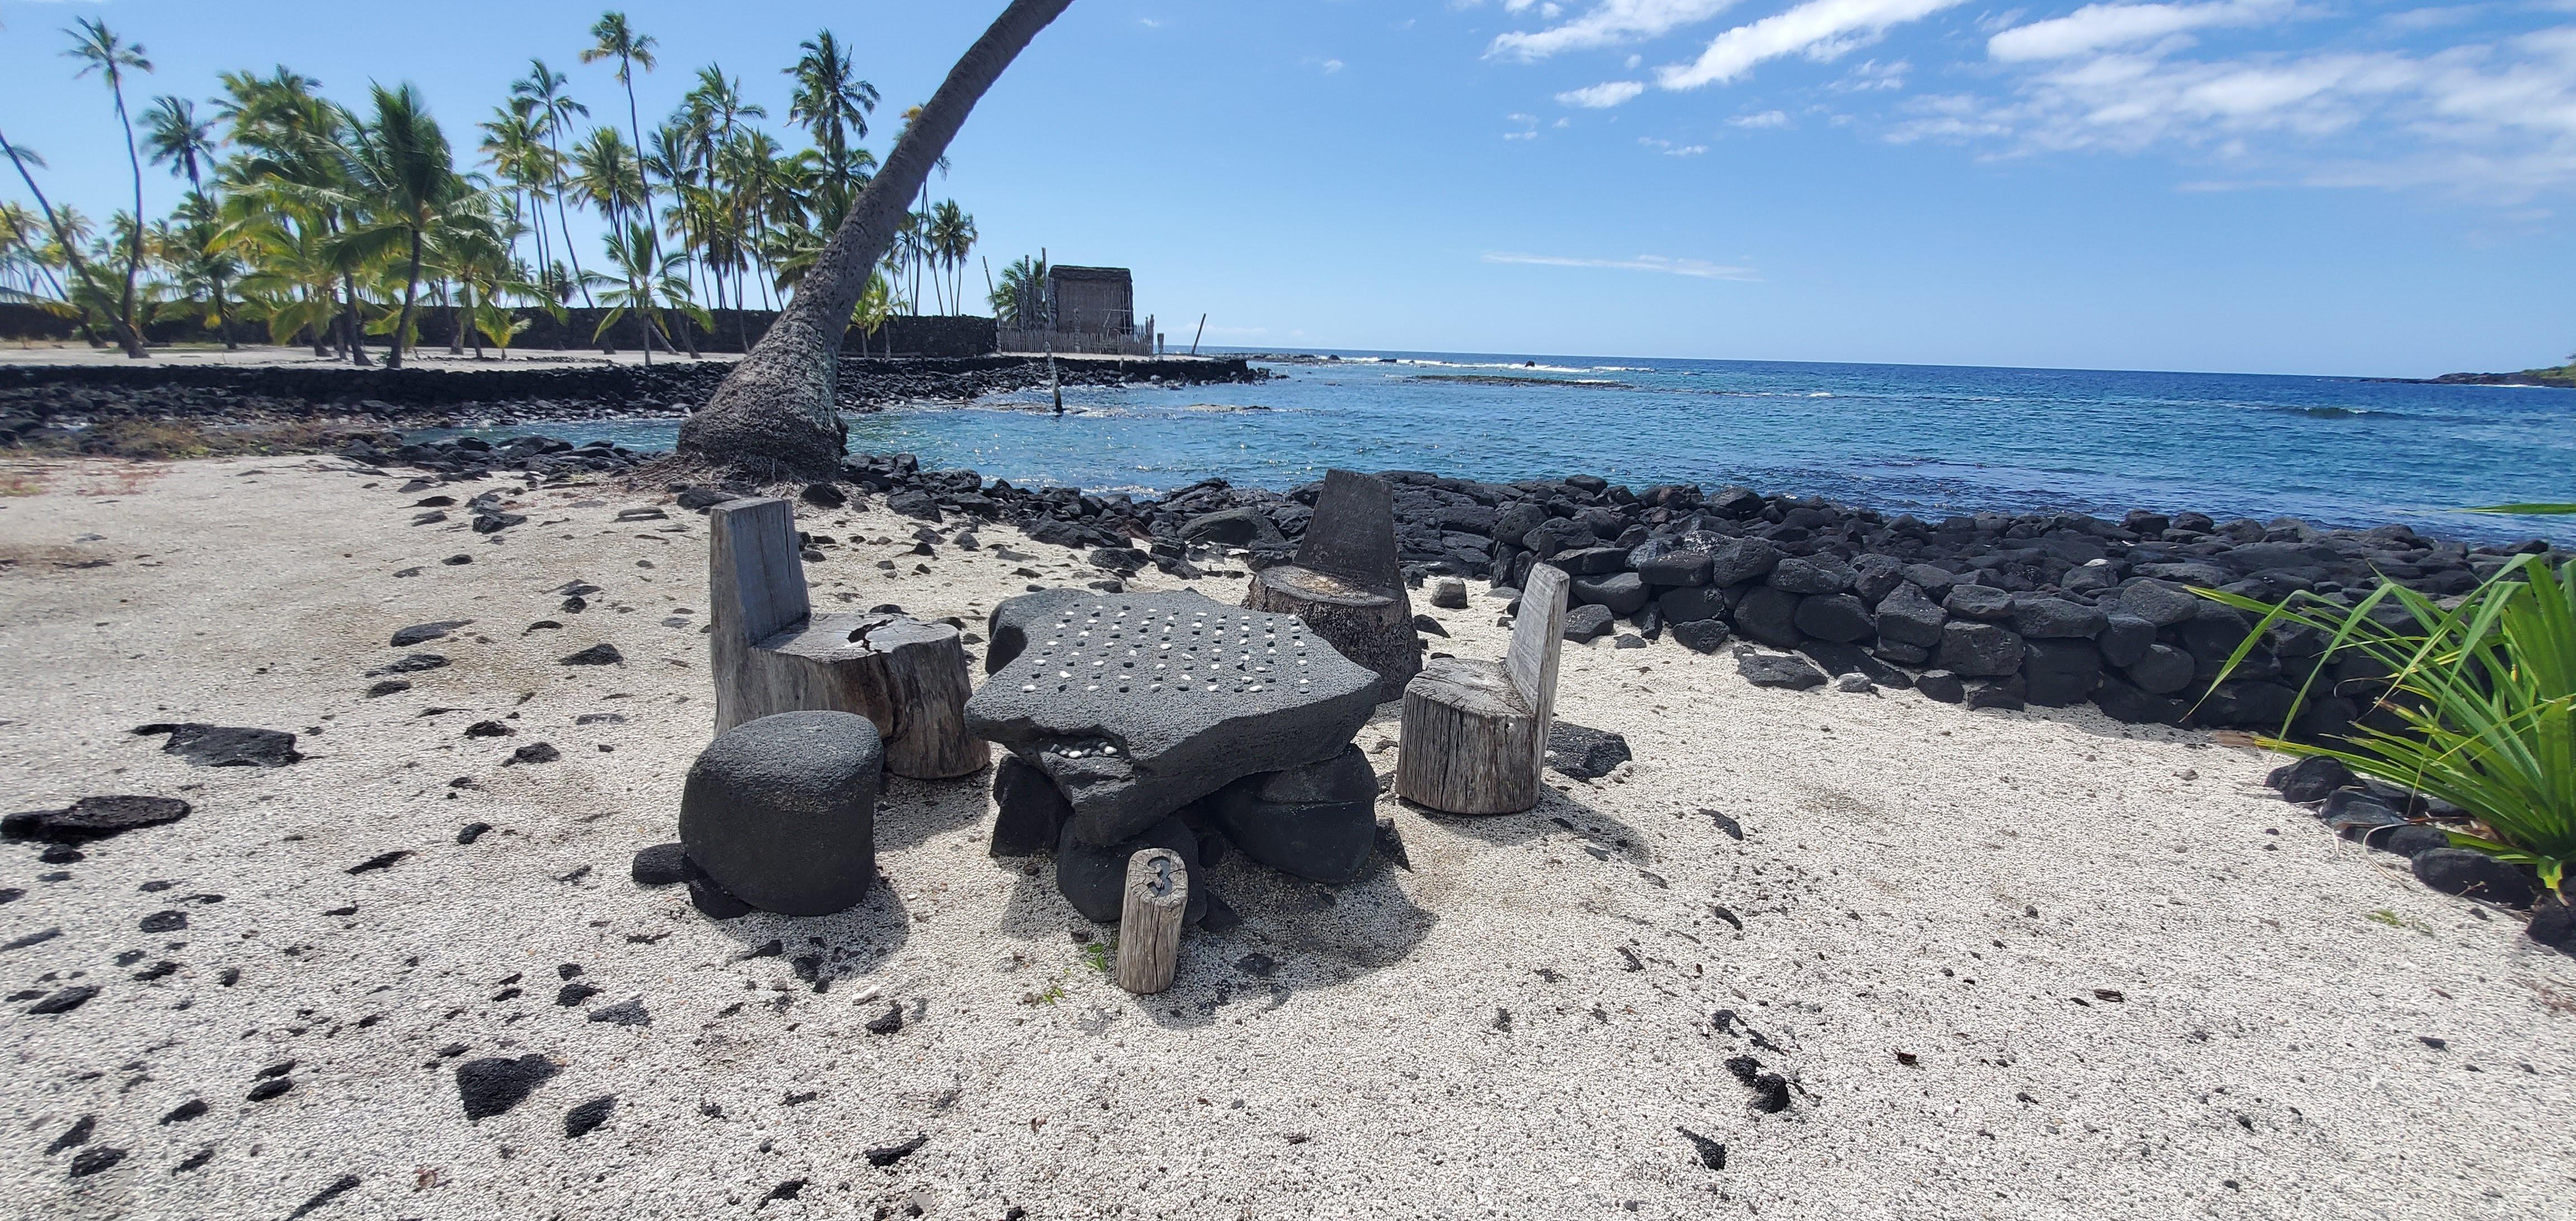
point(1348, 583)
point(771, 654)
point(1373, 627)
point(1149, 923)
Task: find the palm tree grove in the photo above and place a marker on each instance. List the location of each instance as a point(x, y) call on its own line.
point(346, 218)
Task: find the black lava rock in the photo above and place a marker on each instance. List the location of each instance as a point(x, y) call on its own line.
point(1032, 813)
point(1584, 624)
point(601, 654)
point(1776, 670)
point(781, 812)
point(1712, 1154)
point(1837, 617)
point(95, 1159)
point(1702, 636)
point(493, 1085)
point(1975, 649)
point(93, 818)
point(64, 1000)
point(226, 745)
point(2473, 874)
point(660, 865)
point(1770, 616)
point(2312, 779)
point(1318, 821)
point(423, 633)
point(1941, 685)
point(579, 1121)
point(1584, 753)
point(1094, 880)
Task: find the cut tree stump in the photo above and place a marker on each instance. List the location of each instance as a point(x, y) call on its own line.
point(772, 654)
point(1474, 737)
point(1347, 582)
point(1149, 922)
point(1373, 627)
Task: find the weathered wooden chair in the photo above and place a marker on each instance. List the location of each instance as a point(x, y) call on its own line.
point(1475, 732)
point(773, 654)
point(1346, 582)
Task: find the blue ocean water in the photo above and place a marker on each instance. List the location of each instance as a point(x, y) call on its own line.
point(1921, 439)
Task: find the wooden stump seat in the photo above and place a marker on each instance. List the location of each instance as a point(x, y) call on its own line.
point(1474, 738)
point(1346, 582)
point(772, 654)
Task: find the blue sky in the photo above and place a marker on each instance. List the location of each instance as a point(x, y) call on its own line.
point(2249, 185)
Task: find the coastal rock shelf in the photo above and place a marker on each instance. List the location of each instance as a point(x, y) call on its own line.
point(61, 402)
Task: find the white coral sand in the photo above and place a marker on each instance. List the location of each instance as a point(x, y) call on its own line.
point(2013, 965)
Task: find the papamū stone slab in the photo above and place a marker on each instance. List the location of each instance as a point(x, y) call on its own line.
point(1137, 704)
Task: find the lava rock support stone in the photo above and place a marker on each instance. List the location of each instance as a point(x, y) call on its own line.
point(1094, 879)
point(1318, 821)
point(781, 811)
point(1030, 813)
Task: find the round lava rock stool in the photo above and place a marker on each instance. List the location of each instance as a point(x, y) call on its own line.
point(781, 811)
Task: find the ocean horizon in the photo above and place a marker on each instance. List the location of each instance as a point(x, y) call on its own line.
point(1926, 439)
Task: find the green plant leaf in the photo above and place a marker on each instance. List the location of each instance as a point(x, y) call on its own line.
point(2530, 509)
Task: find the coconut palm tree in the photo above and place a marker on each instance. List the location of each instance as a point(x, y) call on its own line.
point(177, 138)
point(833, 104)
point(553, 110)
point(69, 232)
point(1020, 299)
point(774, 413)
point(951, 236)
point(652, 287)
point(99, 50)
point(406, 188)
point(297, 171)
point(517, 152)
point(613, 37)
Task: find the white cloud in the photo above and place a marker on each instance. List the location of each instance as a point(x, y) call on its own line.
point(1768, 118)
point(1670, 149)
point(1610, 23)
point(1602, 96)
point(2100, 27)
point(2495, 120)
point(1696, 268)
point(1818, 29)
point(1331, 66)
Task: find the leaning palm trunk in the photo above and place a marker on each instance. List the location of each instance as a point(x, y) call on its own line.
point(775, 412)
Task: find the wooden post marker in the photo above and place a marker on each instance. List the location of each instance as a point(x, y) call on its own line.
point(1149, 926)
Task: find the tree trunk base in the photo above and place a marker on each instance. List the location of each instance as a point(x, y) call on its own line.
point(908, 677)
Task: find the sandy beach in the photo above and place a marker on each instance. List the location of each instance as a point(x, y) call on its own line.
point(2008, 964)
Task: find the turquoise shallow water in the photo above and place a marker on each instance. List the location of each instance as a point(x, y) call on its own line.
point(1924, 439)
